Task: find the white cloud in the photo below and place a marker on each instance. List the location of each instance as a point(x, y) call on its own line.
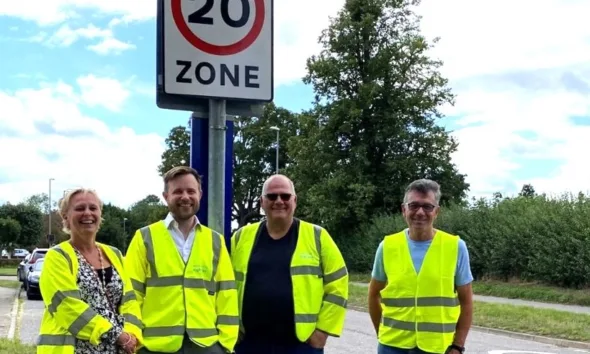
point(48, 136)
point(106, 92)
point(110, 46)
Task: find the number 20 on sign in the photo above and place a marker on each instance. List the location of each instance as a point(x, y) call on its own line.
point(219, 49)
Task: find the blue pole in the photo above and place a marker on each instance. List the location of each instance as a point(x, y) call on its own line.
point(229, 173)
point(199, 154)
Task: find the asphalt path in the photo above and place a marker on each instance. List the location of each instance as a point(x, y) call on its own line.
point(358, 336)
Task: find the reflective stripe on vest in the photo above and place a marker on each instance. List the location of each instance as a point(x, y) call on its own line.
point(420, 310)
point(156, 280)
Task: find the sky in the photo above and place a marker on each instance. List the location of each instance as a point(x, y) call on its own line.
point(77, 92)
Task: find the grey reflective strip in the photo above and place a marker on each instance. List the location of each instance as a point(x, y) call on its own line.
point(237, 236)
point(226, 285)
point(60, 296)
point(239, 276)
point(421, 301)
point(339, 274)
point(81, 321)
point(138, 286)
point(178, 331)
point(420, 326)
point(306, 270)
point(56, 339)
point(317, 233)
point(66, 256)
point(216, 254)
point(336, 300)
point(118, 253)
point(164, 281)
point(306, 318)
point(133, 320)
point(130, 295)
point(146, 234)
point(228, 320)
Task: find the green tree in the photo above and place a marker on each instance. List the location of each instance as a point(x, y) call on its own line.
point(29, 218)
point(373, 127)
point(10, 231)
point(111, 233)
point(527, 191)
point(255, 157)
point(177, 152)
point(144, 212)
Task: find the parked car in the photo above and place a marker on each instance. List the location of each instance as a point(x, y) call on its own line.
point(31, 283)
point(23, 267)
point(20, 253)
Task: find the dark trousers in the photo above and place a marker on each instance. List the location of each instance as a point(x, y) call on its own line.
point(263, 347)
point(385, 349)
point(188, 347)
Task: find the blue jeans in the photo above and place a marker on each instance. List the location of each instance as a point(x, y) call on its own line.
point(261, 347)
point(385, 349)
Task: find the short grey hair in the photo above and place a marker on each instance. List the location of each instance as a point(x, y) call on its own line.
point(271, 178)
point(423, 186)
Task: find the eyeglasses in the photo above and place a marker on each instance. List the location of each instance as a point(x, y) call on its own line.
point(427, 207)
point(274, 196)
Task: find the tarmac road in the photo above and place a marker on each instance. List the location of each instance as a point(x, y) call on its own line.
point(358, 337)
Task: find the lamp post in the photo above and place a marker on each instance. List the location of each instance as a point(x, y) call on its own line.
point(277, 129)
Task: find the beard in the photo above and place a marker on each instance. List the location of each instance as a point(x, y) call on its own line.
point(184, 212)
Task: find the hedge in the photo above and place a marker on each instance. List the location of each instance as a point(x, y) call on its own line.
point(538, 238)
point(9, 263)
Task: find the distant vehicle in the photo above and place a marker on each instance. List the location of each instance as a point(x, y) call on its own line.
point(5, 254)
point(31, 283)
point(23, 267)
point(20, 253)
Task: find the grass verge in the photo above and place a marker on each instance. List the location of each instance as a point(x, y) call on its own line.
point(8, 271)
point(15, 347)
point(518, 290)
point(10, 284)
point(523, 319)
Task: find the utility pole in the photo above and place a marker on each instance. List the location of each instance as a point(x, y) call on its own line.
point(277, 129)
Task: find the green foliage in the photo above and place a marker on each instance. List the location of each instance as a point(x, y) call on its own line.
point(536, 238)
point(177, 152)
point(373, 128)
point(12, 262)
point(10, 231)
point(30, 220)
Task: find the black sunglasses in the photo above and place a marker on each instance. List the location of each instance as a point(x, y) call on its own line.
point(274, 196)
point(425, 206)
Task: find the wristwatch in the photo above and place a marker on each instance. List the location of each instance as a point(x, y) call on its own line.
point(456, 347)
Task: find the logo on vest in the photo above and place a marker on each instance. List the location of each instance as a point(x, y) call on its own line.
point(307, 256)
point(200, 269)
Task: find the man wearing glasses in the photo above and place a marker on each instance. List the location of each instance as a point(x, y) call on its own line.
point(420, 297)
point(291, 278)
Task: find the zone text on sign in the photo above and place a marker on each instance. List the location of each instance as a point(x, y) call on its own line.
point(219, 49)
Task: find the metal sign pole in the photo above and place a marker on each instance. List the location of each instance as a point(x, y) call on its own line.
point(216, 178)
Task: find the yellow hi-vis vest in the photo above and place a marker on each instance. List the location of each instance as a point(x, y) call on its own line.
point(198, 298)
point(319, 277)
point(66, 317)
point(420, 310)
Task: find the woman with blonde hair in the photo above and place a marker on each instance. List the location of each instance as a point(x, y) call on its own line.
point(90, 306)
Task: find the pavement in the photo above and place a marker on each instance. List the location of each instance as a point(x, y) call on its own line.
point(358, 337)
point(7, 296)
point(7, 277)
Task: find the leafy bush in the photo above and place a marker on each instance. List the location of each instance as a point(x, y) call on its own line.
point(533, 238)
point(9, 263)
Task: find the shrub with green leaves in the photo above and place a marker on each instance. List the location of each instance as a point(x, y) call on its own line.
point(534, 238)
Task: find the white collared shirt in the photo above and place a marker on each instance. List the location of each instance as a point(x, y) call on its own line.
point(183, 245)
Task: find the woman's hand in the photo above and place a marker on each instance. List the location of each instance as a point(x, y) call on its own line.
point(128, 342)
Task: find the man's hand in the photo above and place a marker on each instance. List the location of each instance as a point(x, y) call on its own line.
point(318, 339)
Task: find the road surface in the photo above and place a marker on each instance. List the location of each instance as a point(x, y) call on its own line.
point(358, 337)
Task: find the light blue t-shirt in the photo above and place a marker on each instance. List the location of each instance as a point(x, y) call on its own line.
point(418, 250)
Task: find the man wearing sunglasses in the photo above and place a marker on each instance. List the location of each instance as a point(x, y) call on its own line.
point(292, 280)
point(420, 297)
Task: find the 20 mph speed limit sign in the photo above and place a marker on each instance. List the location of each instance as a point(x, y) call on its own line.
point(218, 49)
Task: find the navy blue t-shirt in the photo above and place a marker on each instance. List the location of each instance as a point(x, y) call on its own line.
point(268, 311)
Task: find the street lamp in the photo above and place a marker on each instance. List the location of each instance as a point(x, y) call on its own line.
point(277, 129)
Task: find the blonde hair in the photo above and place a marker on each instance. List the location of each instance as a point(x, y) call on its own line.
point(64, 205)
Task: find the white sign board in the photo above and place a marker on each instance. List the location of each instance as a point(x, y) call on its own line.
point(219, 48)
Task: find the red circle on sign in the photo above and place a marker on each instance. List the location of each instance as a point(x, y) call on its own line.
point(214, 49)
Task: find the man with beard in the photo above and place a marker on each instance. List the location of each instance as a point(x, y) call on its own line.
point(291, 277)
point(182, 276)
point(420, 297)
